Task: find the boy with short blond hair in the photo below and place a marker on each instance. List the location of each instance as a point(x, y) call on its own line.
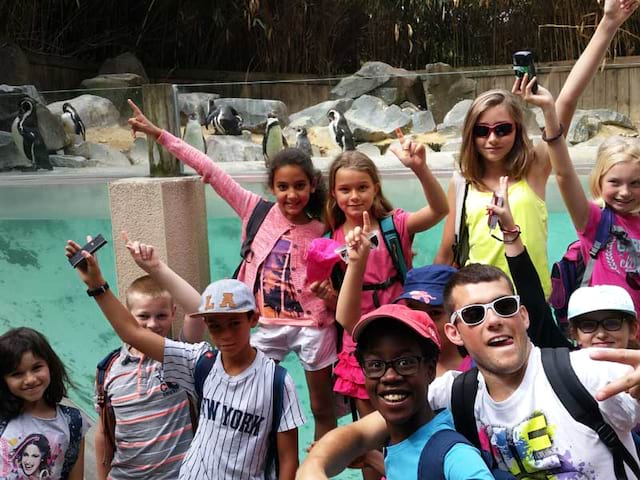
point(145, 426)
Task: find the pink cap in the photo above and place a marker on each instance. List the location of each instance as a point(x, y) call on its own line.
point(418, 321)
point(321, 257)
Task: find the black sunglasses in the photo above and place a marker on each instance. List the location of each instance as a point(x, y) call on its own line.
point(500, 129)
point(405, 366)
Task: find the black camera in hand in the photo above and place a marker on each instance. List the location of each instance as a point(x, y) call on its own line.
point(523, 64)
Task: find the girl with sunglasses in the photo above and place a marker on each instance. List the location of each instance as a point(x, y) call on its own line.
point(603, 316)
point(495, 143)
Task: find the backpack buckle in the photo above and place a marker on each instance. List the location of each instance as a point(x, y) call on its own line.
point(607, 435)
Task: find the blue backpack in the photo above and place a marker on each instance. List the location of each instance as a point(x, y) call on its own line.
point(203, 367)
point(571, 272)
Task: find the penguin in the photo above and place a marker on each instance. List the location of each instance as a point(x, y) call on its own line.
point(225, 119)
point(302, 141)
point(27, 137)
point(73, 124)
point(193, 133)
point(340, 130)
point(273, 140)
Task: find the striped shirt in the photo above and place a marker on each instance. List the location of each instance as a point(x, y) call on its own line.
point(153, 423)
point(235, 416)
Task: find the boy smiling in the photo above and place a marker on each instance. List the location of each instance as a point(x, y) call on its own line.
point(398, 350)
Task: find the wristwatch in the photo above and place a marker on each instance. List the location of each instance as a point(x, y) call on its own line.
point(94, 292)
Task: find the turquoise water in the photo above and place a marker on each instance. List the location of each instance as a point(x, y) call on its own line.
point(39, 289)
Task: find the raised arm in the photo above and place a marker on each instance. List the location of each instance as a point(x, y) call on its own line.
point(568, 181)
point(337, 449)
point(348, 309)
point(616, 12)
point(241, 200)
point(444, 256)
point(182, 292)
point(414, 156)
point(121, 320)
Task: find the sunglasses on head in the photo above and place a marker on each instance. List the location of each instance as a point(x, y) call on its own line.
point(609, 324)
point(500, 129)
point(475, 314)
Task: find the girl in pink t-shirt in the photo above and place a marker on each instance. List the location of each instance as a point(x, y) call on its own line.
point(355, 188)
point(614, 184)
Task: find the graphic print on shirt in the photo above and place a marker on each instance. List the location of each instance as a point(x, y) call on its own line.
point(232, 418)
point(623, 253)
point(33, 456)
point(528, 452)
point(278, 291)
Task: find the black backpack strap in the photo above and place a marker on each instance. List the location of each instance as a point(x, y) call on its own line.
point(584, 408)
point(201, 372)
point(253, 224)
point(463, 399)
point(431, 462)
point(74, 420)
point(3, 425)
point(278, 399)
point(603, 233)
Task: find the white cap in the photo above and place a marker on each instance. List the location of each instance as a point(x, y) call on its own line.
point(598, 298)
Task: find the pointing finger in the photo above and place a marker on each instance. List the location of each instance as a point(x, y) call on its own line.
point(134, 107)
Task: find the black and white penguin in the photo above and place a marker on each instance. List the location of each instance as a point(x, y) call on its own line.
point(193, 133)
point(302, 141)
point(27, 137)
point(225, 119)
point(273, 140)
point(340, 130)
point(73, 124)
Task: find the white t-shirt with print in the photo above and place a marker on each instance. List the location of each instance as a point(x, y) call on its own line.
point(34, 446)
point(235, 414)
point(531, 432)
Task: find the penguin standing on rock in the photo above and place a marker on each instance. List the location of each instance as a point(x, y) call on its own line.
point(302, 141)
point(340, 130)
point(193, 133)
point(273, 140)
point(27, 136)
point(73, 124)
point(225, 119)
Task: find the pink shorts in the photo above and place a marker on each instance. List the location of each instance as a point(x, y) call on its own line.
point(349, 379)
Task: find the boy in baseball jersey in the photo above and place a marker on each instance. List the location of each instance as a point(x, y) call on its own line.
point(237, 394)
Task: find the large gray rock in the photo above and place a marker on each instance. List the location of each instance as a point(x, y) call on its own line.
point(316, 115)
point(105, 155)
point(112, 80)
point(391, 84)
point(454, 119)
point(10, 96)
point(254, 112)
point(586, 123)
point(71, 161)
point(16, 69)
point(124, 63)
point(371, 120)
point(422, 121)
point(10, 157)
point(195, 102)
point(94, 111)
point(231, 148)
point(443, 88)
point(51, 128)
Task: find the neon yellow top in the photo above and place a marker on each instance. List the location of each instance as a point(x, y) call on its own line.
point(529, 212)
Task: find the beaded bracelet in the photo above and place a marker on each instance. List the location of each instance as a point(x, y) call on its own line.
point(554, 138)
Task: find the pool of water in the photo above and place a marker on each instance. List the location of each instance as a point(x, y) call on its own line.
point(39, 289)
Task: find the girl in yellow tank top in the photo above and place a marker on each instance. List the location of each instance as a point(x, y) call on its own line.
point(495, 143)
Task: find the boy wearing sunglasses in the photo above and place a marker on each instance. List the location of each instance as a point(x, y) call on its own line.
point(398, 351)
point(602, 316)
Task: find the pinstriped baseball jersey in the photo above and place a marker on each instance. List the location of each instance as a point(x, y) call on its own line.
point(235, 415)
